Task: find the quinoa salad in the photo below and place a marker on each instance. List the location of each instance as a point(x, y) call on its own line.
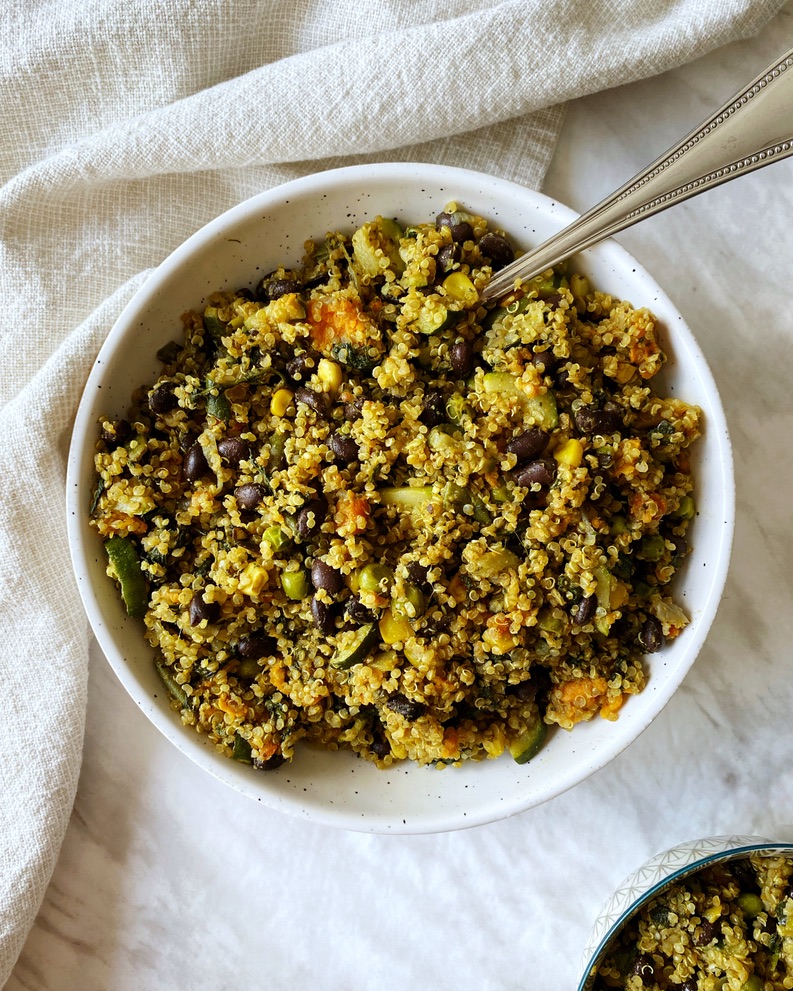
point(362, 509)
point(729, 927)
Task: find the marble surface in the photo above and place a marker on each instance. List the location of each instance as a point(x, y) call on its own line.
point(169, 880)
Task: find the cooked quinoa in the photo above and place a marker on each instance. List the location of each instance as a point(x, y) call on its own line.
point(729, 927)
point(360, 508)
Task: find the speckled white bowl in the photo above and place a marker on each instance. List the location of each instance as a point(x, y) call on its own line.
point(237, 249)
point(655, 876)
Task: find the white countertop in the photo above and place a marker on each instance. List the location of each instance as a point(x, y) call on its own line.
point(167, 879)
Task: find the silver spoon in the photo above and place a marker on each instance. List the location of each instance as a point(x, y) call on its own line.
point(751, 130)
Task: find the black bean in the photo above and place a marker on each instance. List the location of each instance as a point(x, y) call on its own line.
point(358, 612)
point(380, 746)
point(404, 707)
point(498, 250)
point(250, 495)
point(391, 292)
point(417, 573)
point(323, 616)
point(270, 764)
point(280, 287)
point(245, 293)
point(461, 232)
point(233, 450)
point(461, 356)
point(271, 287)
point(597, 421)
point(301, 366)
point(524, 690)
point(318, 401)
point(706, 933)
point(529, 444)
point(540, 472)
point(256, 645)
point(585, 610)
point(643, 967)
point(202, 610)
point(651, 635)
point(447, 257)
point(690, 985)
point(325, 577)
point(310, 518)
point(435, 626)
point(344, 447)
point(745, 875)
point(116, 432)
point(162, 399)
point(195, 464)
point(545, 361)
point(680, 544)
point(353, 411)
point(433, 410)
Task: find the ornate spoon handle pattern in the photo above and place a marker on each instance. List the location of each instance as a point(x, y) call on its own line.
point(751, 130)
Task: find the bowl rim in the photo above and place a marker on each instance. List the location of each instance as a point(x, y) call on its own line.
point(353, 177)
point(729, 848)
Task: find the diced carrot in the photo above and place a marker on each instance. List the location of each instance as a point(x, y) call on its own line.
point(336, 319)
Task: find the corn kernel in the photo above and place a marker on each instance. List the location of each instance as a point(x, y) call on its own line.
point(459, 287)
point(252, 579)
point(500, 640)
point(625, 372)
point(329, 373)
point(570, 453)
point(281, 401)
point(619, 595)
point(393, 629)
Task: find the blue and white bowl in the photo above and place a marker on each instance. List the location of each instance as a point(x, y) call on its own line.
point(659, 873)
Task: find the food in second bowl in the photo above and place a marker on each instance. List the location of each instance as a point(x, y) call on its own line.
point(729, 927)
point(359, 508)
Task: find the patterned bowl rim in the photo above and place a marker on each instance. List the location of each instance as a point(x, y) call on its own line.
point(723, 848)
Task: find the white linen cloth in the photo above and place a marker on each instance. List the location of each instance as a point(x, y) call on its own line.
point(123, 128)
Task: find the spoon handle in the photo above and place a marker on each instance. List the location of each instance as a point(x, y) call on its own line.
point(751, 130)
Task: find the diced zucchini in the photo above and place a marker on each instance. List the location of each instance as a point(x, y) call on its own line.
point(406, 496)
point(241, 750)
point(175, 690)
point(457, 497)
point(123, 557)
point(169, 352)
point(353, 646)
point(549, 623)
point(511, 308)
point(378, 238)
point(213, 325)
point(441, 440)
point(217, 403)
point(492, 563)
point(542, 409)
point(529, 744)
point(433, 317)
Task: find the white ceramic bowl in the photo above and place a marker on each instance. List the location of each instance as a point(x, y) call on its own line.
point(237, 249)
point(655, 876)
